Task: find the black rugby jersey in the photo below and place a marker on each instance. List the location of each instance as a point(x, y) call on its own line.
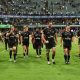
point(50, 34)
point(12, 37)
point(37, 36)
point(25, 36)
point(67, 37)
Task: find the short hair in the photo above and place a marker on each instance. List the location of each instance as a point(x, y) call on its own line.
point(50, 23)
point(67, 26)
point(25, 26)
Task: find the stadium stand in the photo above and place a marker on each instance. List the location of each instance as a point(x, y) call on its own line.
point(13, 11)
point(40, 7)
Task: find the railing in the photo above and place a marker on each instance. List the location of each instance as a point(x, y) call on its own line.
point(36, 17)
point(41, 26)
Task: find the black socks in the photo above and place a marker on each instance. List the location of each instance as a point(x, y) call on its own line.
point(10, 53)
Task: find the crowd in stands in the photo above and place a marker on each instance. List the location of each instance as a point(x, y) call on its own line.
point(39, 7)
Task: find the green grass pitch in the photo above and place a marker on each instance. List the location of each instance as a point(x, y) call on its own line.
point(33, 68)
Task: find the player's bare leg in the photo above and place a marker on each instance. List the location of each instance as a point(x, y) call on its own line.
point(14, 53)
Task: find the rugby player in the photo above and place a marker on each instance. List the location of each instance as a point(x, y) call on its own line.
point(6, 40)
point(67, 38)
point(37, 41)
point(25, 41)
point(50, 40)
point(12, 41)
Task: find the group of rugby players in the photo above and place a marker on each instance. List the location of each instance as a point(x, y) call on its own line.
point(47, 36)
